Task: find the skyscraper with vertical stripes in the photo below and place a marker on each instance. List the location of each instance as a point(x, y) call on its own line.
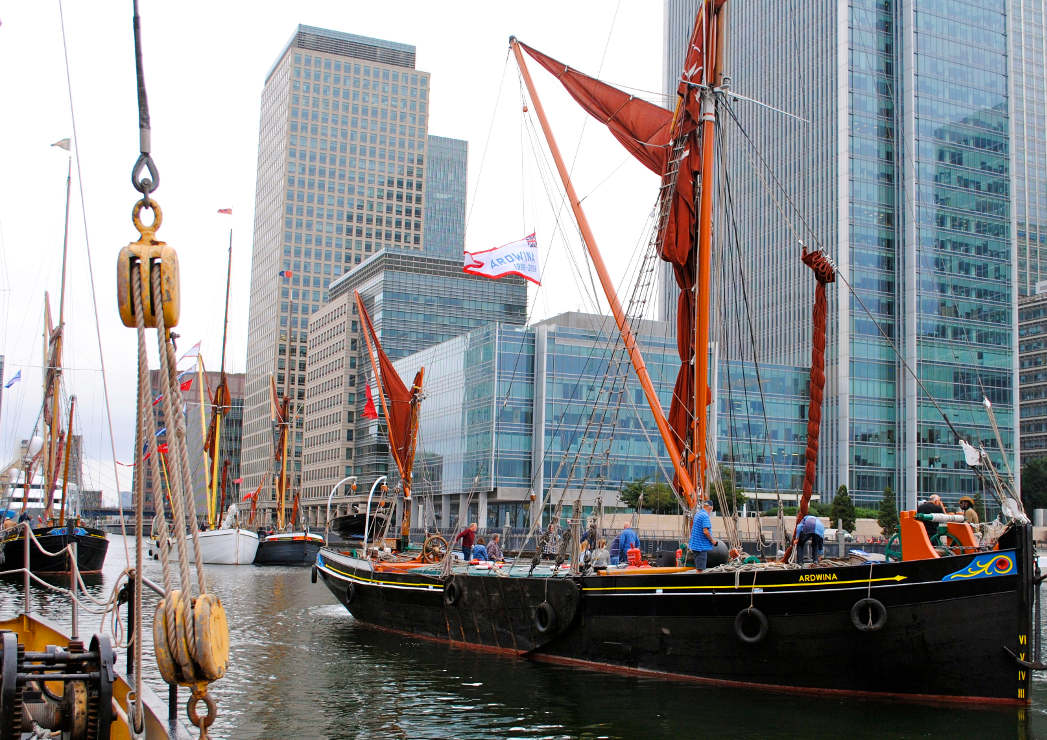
point(890, 126)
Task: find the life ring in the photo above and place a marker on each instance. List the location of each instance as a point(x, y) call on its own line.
point(544, 618)
point(743, 620)
point(452, 592)
point(877, 615)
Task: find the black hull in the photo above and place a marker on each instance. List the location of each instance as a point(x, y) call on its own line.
point(944, 637)
point(351, 526)
point(297, 552)
point(91, 547)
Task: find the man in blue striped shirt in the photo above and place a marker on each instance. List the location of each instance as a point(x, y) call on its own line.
point(702, 540)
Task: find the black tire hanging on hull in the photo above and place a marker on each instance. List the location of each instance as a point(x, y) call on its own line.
point(868, 615)
point(744, 622)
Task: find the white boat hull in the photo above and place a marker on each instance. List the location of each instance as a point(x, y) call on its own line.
point(220, 547)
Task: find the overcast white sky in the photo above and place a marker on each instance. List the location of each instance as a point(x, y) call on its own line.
point(205, 64)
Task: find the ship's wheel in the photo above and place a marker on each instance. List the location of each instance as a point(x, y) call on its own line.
point(434, 548)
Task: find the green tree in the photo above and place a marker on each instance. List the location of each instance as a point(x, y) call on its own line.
point(631, 492)
point(730, 490)
point(843, 508)
point(1034, 484)
point(888, 517)
point(658, 498)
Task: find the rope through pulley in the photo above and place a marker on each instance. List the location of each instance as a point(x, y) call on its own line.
point(190, 635)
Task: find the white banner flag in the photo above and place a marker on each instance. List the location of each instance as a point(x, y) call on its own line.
point(516, 258)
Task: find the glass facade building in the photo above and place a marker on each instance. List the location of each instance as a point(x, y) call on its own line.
point(556, 409)
point(901, 169)
point(415, 301)
point(1032, 348)
point(446, 175)
point(1027, 31)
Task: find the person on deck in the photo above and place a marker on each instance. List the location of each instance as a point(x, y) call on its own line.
point(601, 556)
point(468, 537)
point(552, 541)
point(967, 509)
point(933, 505)
point(810, 529)
point(480, 550)
point(702, 540)
point(494, 547)
point(626, 539)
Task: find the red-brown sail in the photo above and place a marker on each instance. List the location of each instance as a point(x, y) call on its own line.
point(672, 145)
point(399, 401)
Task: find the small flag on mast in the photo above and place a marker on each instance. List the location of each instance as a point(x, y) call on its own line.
point(370, 412)
point(14, 379)
point(226, 211)
point(62, 144)
point(193, 351)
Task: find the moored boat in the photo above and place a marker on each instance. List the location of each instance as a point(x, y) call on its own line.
point(288, 548)
point(50, 556)
point(948, 618)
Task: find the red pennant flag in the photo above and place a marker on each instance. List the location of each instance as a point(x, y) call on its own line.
point(185, 385)
point(238, 481)
point(370, 412)
point(162, 448)
point(226, 211)
point(249, 496)
point(157, 400)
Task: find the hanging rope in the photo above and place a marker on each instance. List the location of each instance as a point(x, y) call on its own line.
point(190, 635)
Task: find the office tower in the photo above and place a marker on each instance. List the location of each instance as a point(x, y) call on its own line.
point(415, 301)
point(1032, 348)
point(445, 180)
point(1027, 36)
point(341, 170)
point(900, 167)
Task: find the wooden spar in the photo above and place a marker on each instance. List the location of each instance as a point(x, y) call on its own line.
point(218, 403)
point(65, 473)
point(628, 338)
point(713, 38)
point(208, 474)
point(281, 487)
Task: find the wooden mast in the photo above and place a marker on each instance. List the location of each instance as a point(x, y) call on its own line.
point(628, 338)
point(68, 450)
point(715, 33)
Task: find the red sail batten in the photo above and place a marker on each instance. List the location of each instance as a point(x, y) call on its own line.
point(825, 273)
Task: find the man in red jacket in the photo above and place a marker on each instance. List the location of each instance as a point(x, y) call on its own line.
point(468, 537)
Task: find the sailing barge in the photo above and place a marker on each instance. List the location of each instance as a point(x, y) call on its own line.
point(946, 623)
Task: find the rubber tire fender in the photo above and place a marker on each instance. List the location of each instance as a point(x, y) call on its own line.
point(876, 610)
point(312, 574)
point(761, 620)
point(545, 618)
point(350, 593)
point(452, 593)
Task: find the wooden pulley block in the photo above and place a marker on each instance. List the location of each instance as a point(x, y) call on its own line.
point(211, 631)
point(148, 254)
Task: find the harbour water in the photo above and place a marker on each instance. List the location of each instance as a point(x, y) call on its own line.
point(302, 667)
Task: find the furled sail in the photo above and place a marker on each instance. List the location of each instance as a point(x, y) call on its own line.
point(670, 144)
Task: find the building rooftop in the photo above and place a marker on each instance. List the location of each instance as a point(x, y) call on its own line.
point(350, 45)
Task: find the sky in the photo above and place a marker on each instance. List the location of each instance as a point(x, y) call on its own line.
point(205, 65)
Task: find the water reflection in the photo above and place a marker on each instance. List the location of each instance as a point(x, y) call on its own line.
point(300, 666)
